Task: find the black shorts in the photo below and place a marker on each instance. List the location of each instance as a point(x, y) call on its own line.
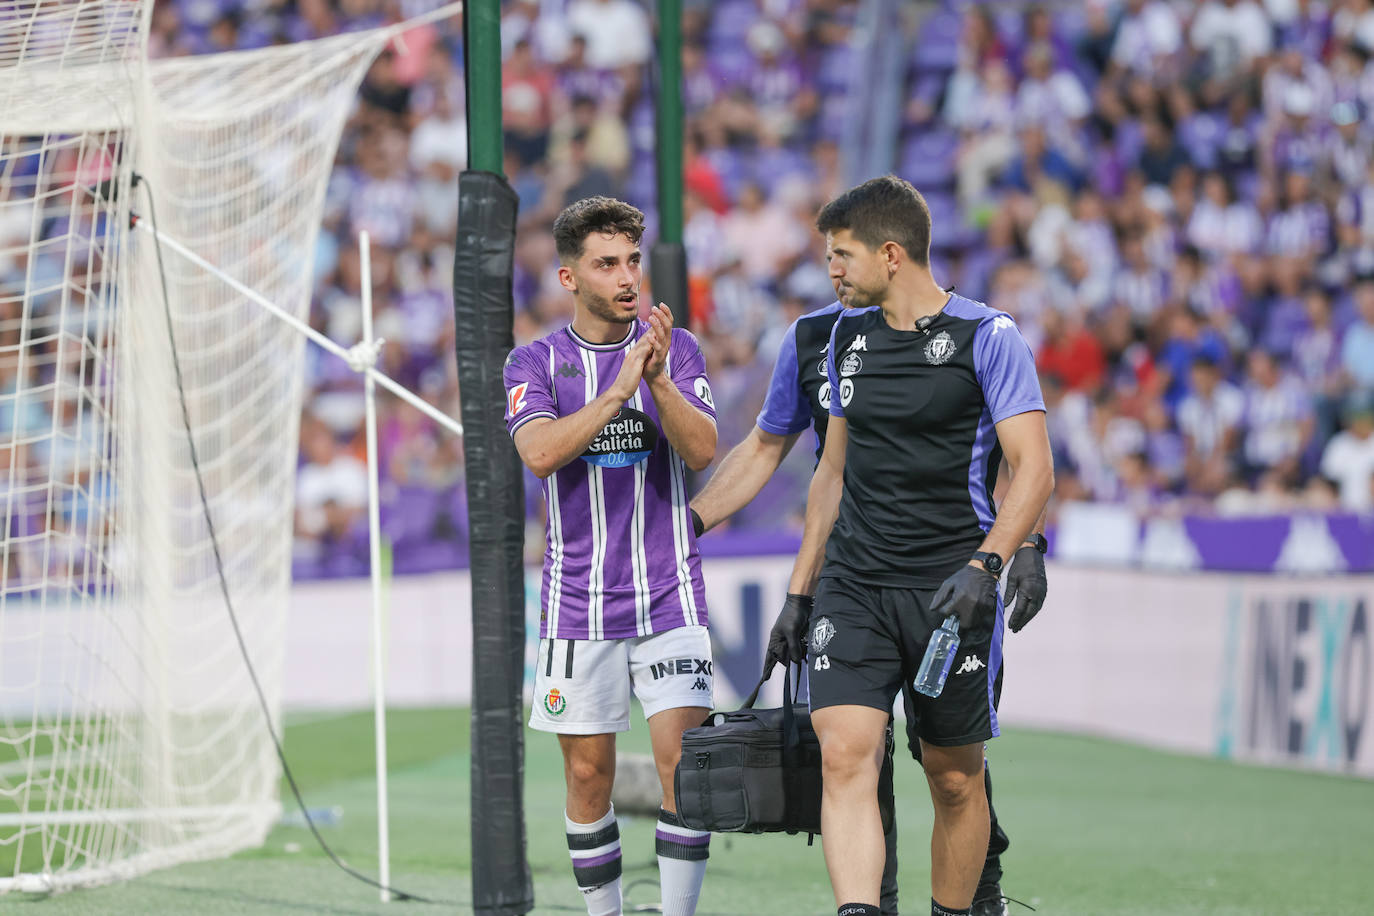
point(866, 642)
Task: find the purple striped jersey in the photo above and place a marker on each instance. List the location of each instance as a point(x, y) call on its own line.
point(621, 559)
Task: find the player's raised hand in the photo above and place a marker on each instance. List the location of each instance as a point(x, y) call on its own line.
point(661, 330)
point(632, 369)
point(1026, 581)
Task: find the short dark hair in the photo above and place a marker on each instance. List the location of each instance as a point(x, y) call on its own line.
point(887, 209)
point(594, 214)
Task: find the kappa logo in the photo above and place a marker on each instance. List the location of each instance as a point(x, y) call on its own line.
point(821, 633)
point(846, 391)
point(515, 397)
point(823, 396)
point(555, 702)
point(1001, 323)
point(850, 365)
point(700, 684)
point(568, 370)
point(702, 388)
point(860, 342)
point(971, 663)
point(825, 349)
point(940, 348)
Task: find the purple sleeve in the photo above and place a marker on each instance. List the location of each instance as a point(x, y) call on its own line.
point(529, 392)
point(1006, 368)
point(785, 411)
point(687, 369)
point(832, 374)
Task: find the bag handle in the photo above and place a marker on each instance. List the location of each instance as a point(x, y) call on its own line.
point(788, 696)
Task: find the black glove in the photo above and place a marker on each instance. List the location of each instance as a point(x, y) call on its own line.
point(786, 641)
point(1026, 578)
point(972, 594)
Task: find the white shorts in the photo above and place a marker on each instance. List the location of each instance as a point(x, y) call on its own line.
point(582, 686)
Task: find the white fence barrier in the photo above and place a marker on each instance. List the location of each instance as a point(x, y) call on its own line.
point(1267, 668)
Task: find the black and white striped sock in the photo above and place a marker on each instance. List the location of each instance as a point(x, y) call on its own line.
point(682, 854)
point(595, 850)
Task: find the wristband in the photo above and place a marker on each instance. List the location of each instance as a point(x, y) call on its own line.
point(698, 528)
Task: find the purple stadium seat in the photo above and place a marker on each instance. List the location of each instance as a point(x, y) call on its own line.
point(409, 517)
point(937, 43)
point(928, 159)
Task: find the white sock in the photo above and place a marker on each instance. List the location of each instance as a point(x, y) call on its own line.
point(595, 850)
point(682, 856)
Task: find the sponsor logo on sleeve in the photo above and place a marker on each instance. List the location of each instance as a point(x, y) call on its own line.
point(1001, 323)
point(515, 398)
point(628, 439)
point(846, 391)
point(851, 364)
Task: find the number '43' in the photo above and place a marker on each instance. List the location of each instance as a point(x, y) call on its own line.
point(822, 662)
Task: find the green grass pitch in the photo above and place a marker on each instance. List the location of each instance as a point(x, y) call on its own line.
point(1096, 827)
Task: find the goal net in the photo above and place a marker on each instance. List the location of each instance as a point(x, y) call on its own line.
point(131, 735)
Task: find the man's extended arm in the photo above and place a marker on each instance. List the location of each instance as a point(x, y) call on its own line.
point(741, 475)
point(546, 445)
point(822, 506)
point(1026, 443)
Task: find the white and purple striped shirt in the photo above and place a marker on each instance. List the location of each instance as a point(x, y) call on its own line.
point(621, 558)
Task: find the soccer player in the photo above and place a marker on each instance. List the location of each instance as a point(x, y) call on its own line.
point(928, 390)
point(606, 411)
point(798, 397)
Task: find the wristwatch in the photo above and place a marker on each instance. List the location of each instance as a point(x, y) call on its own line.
point(991, 561)
point(1038, 542)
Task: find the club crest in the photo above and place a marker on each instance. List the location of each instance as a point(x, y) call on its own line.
point(940, 348)
point(821, 633)
point(555, 702)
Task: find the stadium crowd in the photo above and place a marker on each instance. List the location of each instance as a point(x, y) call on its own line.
point(1175, 200)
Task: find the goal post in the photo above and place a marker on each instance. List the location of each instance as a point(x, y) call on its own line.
point(131, 736)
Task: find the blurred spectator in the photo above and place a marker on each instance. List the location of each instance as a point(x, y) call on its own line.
point(617, 32)
point(1278, 418)
point(331, 488)
point(1210, 419)
point(1349, 457)
point(1357, 350)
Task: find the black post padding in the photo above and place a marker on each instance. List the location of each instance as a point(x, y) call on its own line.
point(668, 271)
point(484, 312)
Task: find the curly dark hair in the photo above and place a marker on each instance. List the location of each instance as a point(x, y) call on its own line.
point(887, 209)
point(594, 214)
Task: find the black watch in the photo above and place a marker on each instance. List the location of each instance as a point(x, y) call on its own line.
point(1038, 542)
point(991, 562)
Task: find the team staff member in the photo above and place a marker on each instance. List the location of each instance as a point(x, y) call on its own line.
point(798, 397)
point(606, 412)
point(928, 391)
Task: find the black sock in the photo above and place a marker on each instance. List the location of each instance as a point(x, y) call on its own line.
point(937, 910)
point(858, 909)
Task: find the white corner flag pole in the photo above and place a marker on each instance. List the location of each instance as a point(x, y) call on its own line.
point(374, 538)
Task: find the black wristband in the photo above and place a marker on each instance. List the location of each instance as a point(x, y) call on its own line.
point(698, 528)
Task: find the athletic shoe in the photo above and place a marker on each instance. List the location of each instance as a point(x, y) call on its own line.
point(988, 901)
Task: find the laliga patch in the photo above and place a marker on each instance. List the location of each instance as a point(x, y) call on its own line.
point(702, 389)
point(515, 397)
point(555, 702)
point(627, 439)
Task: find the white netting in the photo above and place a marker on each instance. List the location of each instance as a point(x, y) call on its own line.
point(130, 734)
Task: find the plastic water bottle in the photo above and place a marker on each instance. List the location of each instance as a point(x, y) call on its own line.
point(940, 653)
